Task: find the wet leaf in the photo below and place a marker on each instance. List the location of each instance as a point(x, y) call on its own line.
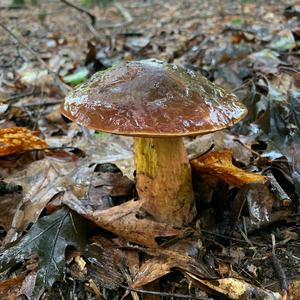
point(34, 76)
point(237, 289)
point(8, 207)
point(28, 284)
point(266, 61)
point(259, 200)
point(95, 186)
point(3, 107)
point(10, 288)
point(283, 41)
point(219, 164)
point(18, 139)
point(126, 221)
point(40, 182)
point(164, 261)
point(104, 264)
point(49, 238)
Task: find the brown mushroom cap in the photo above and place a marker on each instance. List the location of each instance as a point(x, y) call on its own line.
point(152, 98)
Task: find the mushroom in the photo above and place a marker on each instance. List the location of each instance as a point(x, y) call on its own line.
point(158, 104)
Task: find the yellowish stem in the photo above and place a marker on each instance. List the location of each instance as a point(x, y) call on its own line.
point(163, 179)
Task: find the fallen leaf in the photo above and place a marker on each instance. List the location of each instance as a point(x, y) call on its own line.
point(79, 76)
point(94, 186)
point(164, 261)
point(260, 202)
point(18, 139)
point(219, 164)
point(125, 221)
point(34, 76)
point(40, 182)
point(104, 265)
point(8, 207)
point(266, 61)
point(49, 238)
point(10, 288)
point(237, 289)
point(283, 41)
point(28, 285)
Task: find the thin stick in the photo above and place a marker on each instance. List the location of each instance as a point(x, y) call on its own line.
point(91, 16)
point(64, 88)
point(277, 190)
point(279, 271)
point(227, 237)
point(124, 12)
point(162, 294)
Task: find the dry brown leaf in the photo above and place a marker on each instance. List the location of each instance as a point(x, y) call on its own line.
point(8, 207)
point(105, 263)
point(10, 288)
point(123, 221)
point(18, 139)
point(237, 289)
point(163, 263)
point(151, 270)
point(219, 164)
point(41, 181)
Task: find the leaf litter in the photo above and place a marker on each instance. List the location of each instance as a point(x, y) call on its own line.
point(247, 187)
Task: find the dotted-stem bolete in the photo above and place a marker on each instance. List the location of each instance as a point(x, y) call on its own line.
point(158, 104)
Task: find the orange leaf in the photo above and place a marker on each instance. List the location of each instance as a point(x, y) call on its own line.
point(18, 139)
point(219, 164)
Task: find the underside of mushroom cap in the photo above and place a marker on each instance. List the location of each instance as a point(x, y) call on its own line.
point(150, 98)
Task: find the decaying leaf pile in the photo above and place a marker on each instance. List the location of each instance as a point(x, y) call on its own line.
point(70, 223)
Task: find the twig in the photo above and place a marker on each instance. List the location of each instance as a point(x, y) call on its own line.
point(162, 294)
point(279, 271)
point(64, 88)
point(227, 237)
point(246, 238)
point(277, 190)
point(45, 103)
point(91, 16)
point(18, 96)
point(124, 12)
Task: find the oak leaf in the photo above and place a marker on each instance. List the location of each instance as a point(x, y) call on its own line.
point(18, 139)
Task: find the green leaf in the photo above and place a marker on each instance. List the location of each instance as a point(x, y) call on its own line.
point(49, 238)
point(237, 22)
point(79, 76)
point(283, 41)
point(91, 3)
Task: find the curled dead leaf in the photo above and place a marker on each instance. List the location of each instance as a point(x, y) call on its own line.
point(236, 288)
point(219, 164)
point(123, 220)
point(10, 288)
point(18, 139)
point(164, 261)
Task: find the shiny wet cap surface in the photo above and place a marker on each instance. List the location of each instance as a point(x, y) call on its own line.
point(152, 98)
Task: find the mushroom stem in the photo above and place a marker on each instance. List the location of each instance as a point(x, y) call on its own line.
point(163, 179)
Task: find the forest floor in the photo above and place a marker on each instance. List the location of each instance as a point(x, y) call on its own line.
point(68, 226)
